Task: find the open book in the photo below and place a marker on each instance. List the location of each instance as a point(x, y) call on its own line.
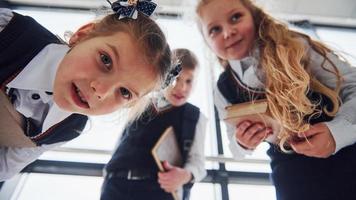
point(167, 148)
point(11, 132)
point(254, 111)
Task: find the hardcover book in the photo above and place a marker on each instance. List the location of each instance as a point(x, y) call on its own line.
point(254, 111)
point(167, 148)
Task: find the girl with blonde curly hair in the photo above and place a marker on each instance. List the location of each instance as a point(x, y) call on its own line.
point(309, 89)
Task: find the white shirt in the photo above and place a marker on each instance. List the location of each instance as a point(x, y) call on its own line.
point(36, 79)
point(342, 127)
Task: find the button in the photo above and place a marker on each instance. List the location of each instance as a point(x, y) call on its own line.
point(35, 96)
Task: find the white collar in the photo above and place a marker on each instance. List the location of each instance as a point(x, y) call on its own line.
point(40, 72)
point(247, 70)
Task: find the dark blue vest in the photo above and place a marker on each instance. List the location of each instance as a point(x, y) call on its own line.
point(21, 40)
point(134, 151)
point(297, 176)
point(140, 136)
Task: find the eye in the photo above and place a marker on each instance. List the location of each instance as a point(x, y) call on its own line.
point(189, 81)
point(235, 17)
point(106, 61)
point(125, 93)
point(214, 30)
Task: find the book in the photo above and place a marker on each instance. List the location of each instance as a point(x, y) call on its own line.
point(11, 123)
point(254, 111)
point(167, 148)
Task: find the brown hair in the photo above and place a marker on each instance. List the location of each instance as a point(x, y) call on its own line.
point(151, 41)
point(284, 59)
point(186, 57)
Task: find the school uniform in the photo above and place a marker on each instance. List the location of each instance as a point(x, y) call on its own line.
point(29, 58)
point(297, 176)
point(131, 174)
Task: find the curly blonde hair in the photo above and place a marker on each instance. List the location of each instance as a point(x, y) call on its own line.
point(284, 59)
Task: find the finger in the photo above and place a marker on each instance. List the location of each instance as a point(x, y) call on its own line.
point(167, 187)
point(241, 128)
point(164, 176)
point(261, 136)
point(301, 147)
point(253, 130)
point(312, 131)
point(167, 166)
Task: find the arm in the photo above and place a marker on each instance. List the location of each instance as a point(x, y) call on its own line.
point(343, 126)
point(5, 17)
point(236, 149)
point(194, 168)
point(13, 160)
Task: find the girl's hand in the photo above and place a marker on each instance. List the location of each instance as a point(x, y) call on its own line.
point(319, 143)
point(249, 135)
point(173, 178)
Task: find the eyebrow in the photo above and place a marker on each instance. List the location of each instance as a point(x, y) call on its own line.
point(114, 49)
point(234, 10)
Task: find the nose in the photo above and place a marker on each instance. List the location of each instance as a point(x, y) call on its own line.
point(101, 89)
point(181, 86)
point(229, 31)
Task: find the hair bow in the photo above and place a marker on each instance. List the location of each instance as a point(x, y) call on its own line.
point(130, 8)
point(172, 75)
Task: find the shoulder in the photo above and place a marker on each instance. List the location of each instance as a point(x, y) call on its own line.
point(190, 106)
point(223, 77)
point(5, 17)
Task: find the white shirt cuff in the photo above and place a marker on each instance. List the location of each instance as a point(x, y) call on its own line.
point(344, 133)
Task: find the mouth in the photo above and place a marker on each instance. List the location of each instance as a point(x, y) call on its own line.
point(178, 97)
point(78, 97)
point(236, 43)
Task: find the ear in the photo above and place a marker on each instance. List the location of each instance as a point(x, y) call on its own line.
point(81, 33)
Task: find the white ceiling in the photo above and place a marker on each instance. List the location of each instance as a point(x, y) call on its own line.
point(334, 12)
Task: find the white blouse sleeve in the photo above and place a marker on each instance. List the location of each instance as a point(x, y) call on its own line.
point(236, 149)
point(13, 160)
point(5, 17)
point(343, 126)
point(196, 159)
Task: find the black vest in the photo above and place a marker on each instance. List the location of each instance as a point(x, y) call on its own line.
point(237, 92)
point(296, 176)
point(21, 40)
point(139, 137)
point(134, 151)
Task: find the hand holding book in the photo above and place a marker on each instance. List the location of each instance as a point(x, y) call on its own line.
point(254, 123)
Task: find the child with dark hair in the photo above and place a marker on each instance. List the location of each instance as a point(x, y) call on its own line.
point(132, 173)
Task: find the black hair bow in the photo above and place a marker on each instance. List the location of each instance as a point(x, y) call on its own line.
point(172, 75)
point(130, 8)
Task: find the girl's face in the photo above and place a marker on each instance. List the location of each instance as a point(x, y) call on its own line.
point(101, 74)
point(228, 28)
point(178, 94)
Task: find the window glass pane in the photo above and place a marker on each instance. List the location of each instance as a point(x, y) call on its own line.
point(257, 162)
point(255, 192)
point(206, 191)
point(58, 187)
point(341, 39)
